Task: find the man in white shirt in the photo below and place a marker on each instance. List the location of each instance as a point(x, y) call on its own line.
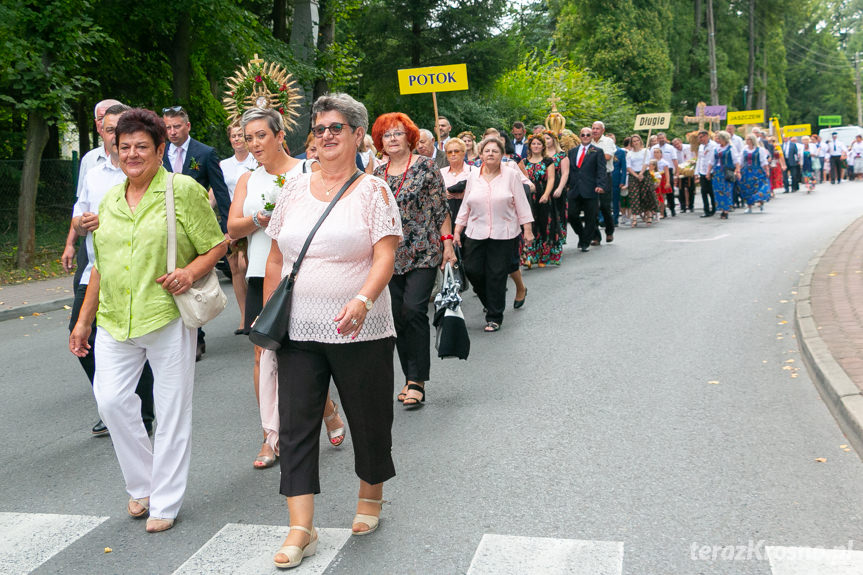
point(85, 220)
point(793, 153)
point(686, 184)
point(838, 152)
point(444, 128)
point(608, 148)
point(703, 169)
point(518, 140)
point(92, 158)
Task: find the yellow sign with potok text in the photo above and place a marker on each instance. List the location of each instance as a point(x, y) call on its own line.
point(653, 121)
point(797, 130)
point(745, 117)
point(449, 78)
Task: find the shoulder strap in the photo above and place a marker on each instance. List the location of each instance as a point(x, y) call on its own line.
point(332, 204)
point(171, 217)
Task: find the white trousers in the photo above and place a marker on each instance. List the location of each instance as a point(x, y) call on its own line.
point(158, 470)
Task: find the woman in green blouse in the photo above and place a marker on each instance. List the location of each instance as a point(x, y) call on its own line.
point(132, 298)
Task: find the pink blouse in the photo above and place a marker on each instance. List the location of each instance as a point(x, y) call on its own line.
point(339, 258)
point(494, 210)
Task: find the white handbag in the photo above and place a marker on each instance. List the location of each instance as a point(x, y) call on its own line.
point(205, 299)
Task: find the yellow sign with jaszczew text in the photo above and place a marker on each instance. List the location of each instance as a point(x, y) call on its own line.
point(449, 78)
point(745, 117)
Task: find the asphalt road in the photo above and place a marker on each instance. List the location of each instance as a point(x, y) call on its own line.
point(646, 410)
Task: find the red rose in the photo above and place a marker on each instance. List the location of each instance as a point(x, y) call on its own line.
point(283, 88)
point(232, 93)
point(281, 110)
point(258, 79)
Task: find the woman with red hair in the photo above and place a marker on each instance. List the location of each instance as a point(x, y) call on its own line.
point(419, 190)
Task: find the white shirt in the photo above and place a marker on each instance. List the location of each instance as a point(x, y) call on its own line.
point(836, 147)
point(232, 169)
point(856, 149)
point(519, 147)
point(635, 160)
point(684, 154)
point(172, 152)
point(91, 159)
point(99, 180)
point(608, 148)
point(738, 143)
point(669, 153)
point(763, 155)
point(706, 153)
point(786, 149)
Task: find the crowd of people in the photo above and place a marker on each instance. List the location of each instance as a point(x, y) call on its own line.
point(405, 203)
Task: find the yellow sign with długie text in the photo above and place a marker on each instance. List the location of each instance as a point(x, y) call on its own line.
point(433, 79)
point(745, 117)
point(797, 130)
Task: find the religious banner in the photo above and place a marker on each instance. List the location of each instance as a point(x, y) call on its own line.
point(746, 117)
point(653, 121)
point(433, 79)
point(829, 120)
point(720, 112)
point(797, 130)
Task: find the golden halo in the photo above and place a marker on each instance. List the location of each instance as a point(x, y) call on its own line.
point(259, 84)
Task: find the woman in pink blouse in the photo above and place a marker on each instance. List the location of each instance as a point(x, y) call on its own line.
point(491, 215)
point(341, 323)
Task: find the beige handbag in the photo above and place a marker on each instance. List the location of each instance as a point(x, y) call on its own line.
point(205, 299)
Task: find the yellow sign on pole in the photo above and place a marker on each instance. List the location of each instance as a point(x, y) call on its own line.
point(433, 79)
point(653, 121)
point(797, 130)
point(746, 117)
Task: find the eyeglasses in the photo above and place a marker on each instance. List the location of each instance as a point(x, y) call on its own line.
point(393, 135)
point(172, 109)
point(335, 129)
point(586, 135)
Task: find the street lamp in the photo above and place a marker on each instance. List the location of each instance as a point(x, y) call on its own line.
point(745, 92)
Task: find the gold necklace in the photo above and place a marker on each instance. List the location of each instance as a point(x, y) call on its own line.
point(333, 187)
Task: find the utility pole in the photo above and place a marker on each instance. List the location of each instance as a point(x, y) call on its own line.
point(751, 54)
point(857, 70)
point(711, 44)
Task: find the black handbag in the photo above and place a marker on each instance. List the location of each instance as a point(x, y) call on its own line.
point(728, 171)
point(459, 271)
point(270, 328)
point(452, 339)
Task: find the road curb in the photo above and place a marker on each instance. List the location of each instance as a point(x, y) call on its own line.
point(32, 308)
point(842, 396)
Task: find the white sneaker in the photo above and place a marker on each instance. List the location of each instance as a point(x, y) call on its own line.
point(747, 211)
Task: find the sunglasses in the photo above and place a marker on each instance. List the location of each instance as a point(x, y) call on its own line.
point(172, 109)
point(586, 135)
point(335, 129)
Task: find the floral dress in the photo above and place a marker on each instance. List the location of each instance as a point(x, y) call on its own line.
point(776, 170)
point(754, 186)
point(559, 211)
point(539, 251)
point(722, 189)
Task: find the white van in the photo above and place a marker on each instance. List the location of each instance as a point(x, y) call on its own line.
point(845, 134)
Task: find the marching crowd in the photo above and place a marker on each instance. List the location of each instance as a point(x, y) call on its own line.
point(394, 205)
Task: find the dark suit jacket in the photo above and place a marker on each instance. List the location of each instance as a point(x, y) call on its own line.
point(207, 173)
point(440, 160)
point(584, 181)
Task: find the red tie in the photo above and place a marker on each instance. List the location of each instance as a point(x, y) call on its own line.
point(581, 156)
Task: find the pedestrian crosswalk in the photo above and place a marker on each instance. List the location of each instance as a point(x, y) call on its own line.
point(28, 540)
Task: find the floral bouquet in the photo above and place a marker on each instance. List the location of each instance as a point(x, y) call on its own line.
point(272, 194)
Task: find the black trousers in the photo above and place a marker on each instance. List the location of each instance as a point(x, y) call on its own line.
point(707, 195)
point(835, 169)
point(88, 362)
point(487, 264)
point(363, 374)
point(606, 208)
point(587, 231)
point(791, 178)
point(410, 294)
point(687, 193)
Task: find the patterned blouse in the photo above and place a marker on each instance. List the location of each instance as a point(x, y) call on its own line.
point(538, 173)
point(422, 203)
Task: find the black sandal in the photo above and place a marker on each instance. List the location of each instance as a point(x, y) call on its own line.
point(414, 402)
point(491, 327)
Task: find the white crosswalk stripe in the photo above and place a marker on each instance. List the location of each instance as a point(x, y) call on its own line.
point(29, 539)
point(249, 549)
point(507, 554)
point(814, 561)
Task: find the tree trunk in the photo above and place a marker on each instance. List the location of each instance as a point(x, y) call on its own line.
point(416, 41)
point(326, 37)
point(180, 53)
point(52, 147)
point(82, 120)
point(280, 20)
point(37, 137)
point(762, 97)
point(751, 83)
point(711, 45)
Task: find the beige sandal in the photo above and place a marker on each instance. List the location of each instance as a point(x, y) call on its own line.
point(158, 524)
point(369, 520)
point(144, 502)
point(294, 553)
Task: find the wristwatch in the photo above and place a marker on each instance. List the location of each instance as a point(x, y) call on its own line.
point(369, 303)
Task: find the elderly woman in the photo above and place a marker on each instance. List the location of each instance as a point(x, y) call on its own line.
point(131, 295)
point(248, 218)
point(341, 323)
point(470, 155)
point(232, 168)
point(456, 173)
point(492, 213)
point(725, 173)
point(420, 194)
point(754, 174)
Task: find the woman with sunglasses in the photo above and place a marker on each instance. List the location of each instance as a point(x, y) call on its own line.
point(419, 191)
point(249, 218)
point(341, 323)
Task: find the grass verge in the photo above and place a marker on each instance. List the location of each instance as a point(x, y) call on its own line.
point(50, 241)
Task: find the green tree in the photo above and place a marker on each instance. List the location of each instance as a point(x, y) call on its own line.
point(45, 46)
